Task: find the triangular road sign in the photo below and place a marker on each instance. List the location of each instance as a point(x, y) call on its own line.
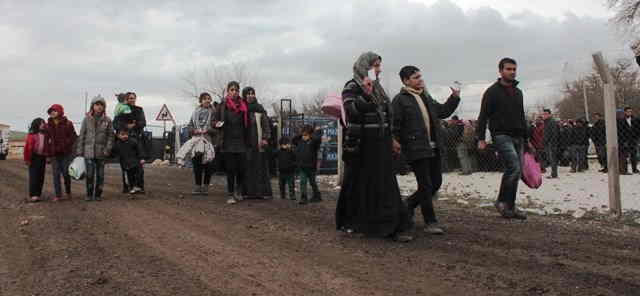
point(164, 114)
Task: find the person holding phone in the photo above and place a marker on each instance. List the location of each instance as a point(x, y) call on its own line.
point(369, 201)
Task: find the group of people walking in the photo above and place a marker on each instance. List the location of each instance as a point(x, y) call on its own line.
point(237, 131)
point(56, 141)
point(234, 133)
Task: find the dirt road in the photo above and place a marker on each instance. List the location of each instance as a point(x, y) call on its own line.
point(170, 243)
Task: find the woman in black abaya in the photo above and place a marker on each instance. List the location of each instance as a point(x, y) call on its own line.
point(369, 201)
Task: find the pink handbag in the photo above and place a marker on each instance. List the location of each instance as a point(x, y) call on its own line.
point(531, 172)
point(332, 106)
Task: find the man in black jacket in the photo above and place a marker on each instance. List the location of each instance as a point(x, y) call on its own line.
point(628, 132)
point(418, 134)
point(598, 135)
point(503, 110)
point(550, 142)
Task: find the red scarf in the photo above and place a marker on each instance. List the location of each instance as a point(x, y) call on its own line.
point(240, 107)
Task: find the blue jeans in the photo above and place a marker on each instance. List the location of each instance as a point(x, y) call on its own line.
point(510, 150)
point(60, 168)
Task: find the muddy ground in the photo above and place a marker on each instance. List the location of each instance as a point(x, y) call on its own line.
point(171, 243)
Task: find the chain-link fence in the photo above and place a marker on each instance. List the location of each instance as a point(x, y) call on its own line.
point(578, 150)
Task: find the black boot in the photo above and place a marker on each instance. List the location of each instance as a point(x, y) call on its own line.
point(303, 200)
point(316, 197)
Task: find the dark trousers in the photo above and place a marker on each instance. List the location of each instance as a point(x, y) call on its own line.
point(36, 174)
point(628, 151)
point(95, 177)
point(133, 176)
point(578, 157)
point(202, 170)
point(601, 150)
point(552, 159)
point(140, 176)
point(287, 179)
point(510, 150)
point(308, 175)
point(129, 181)
point(60, 168)
point(235, 165)
point(428, 174)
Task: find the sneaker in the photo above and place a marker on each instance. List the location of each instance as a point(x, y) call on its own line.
point(518, 215)
point(98, 198)
point(196, 190)
point(55, 199)
point(433, 229)
point(316, 198)
point(302, 201)
point(88, 198)
point(34, 199)
point(231, 201)
point(204, 190)
point(503, 209)
point(239, 197)
point(134, 190)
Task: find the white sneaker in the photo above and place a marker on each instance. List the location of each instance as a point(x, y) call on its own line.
point(231, 201)
point(135, 190)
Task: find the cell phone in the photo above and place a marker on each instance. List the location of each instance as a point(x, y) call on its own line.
point(456, 85)
point(372, 75)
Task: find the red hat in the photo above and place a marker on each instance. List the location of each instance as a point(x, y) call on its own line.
point(57, 108)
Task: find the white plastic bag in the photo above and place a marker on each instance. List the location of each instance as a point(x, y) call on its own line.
point(77, 168)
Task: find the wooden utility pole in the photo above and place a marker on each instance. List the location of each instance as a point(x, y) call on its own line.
point(615, 204)
point(586, 105)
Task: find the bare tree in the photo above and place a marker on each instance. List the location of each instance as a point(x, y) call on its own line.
point(191, 87)
point(214, 79)
point(627, 93)
point(627, 14)
point(313, 103)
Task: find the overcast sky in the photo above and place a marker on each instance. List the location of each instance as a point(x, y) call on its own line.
point(54, 51)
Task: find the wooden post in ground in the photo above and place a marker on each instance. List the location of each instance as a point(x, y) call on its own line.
point(615, 203)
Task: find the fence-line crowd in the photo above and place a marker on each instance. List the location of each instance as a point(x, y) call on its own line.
point(557, 142)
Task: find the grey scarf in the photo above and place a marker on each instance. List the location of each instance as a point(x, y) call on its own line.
point(360, 68)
